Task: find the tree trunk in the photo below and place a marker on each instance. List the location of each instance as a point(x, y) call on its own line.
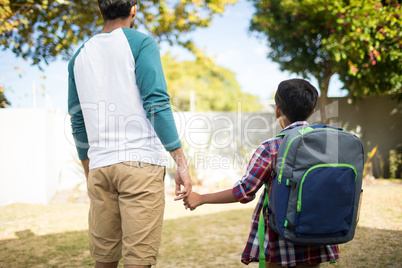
point(323, 85)
point(323, 104)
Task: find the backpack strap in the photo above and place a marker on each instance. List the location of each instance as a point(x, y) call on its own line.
point(282, 134)
point(261, 229)
point(326, 126)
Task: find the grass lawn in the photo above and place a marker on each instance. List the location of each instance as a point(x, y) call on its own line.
point(211, 236)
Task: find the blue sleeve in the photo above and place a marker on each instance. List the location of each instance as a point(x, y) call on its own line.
point(77, 120)
point(153, 89)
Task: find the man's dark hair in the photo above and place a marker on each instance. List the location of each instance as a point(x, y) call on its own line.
point(114, 9)
point(296, 98)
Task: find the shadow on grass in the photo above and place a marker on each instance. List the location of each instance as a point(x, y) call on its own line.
point(372, 248)
point(213, 240)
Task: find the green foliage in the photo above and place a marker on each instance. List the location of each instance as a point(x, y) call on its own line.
point(295, 31)
point(359, 40)
point(40, 30)
point(367, 43)
point(395, 159)
point(215, 88)
point(3, 101)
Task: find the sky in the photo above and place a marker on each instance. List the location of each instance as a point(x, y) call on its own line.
point(227, 40)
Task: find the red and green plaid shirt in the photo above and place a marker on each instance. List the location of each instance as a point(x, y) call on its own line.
point(260, 170)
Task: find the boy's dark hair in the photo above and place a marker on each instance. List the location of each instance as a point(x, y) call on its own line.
point(114, 9)
point(296, 98)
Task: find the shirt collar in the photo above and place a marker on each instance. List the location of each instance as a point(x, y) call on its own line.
point(296, 124)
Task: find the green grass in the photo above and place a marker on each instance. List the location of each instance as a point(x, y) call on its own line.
point(56, 235)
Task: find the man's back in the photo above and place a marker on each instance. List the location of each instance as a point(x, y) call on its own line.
point(120, 117)
point(106, 70)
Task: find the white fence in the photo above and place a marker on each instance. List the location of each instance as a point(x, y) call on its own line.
point(34, 153)
point(37, 153)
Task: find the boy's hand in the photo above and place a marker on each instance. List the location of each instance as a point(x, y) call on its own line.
point(193, 201)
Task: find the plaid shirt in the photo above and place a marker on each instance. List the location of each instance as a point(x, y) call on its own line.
point(260, 170)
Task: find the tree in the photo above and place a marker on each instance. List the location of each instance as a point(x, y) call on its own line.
point(318, 38)
point(41, 30)
point(3, 101)
point(367, 42)
point(215, 88)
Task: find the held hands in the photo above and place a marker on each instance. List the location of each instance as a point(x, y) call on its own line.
point(193, 201)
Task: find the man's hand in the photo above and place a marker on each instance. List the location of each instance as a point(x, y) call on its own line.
point(182, 176)
point(193, 201)
point(85, 165)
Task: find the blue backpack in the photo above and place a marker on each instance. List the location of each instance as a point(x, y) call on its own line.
point(314, 198)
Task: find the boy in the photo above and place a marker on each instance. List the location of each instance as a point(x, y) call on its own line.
point(295, 101)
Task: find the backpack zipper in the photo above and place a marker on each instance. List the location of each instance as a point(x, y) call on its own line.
point(284, 158)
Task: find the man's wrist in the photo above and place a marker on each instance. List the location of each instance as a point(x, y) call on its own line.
point(178, 156)
point(182, 164)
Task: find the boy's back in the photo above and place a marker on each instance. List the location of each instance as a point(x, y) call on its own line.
point(315, 195)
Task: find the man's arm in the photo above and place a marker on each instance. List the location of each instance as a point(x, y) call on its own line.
point(77, 120)
point(156, 103)
point(153, 90)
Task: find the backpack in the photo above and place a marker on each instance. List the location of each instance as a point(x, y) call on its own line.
point(315, 195)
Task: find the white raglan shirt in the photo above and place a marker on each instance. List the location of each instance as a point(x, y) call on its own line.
point(116, 80)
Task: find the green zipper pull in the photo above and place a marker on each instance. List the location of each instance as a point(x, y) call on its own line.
point(298, 205)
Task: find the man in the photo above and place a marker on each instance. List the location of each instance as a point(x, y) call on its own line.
point(121, 119)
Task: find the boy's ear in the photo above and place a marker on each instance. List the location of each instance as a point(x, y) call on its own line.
point(311, 113)
point(278, 112)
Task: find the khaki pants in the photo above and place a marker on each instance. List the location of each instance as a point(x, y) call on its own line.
point(126, 212)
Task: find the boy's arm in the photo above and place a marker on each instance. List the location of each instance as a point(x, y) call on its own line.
point(195, 200)
point(257, 173)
